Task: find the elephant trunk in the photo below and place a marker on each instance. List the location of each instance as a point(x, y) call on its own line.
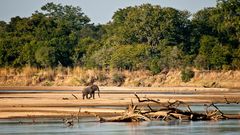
point(98, 93)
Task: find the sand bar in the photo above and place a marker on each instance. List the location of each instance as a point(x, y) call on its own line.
point(59, 102)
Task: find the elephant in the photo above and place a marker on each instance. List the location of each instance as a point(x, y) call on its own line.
point(90, 90)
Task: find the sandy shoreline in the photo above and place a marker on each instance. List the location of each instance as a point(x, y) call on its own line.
point(17, 102)
point(166, 88)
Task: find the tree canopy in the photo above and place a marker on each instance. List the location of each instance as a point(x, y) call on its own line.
point(147, 37)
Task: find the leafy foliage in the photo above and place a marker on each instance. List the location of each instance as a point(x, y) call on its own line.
point(148, 24)
point(187, 74)
point(147, 37)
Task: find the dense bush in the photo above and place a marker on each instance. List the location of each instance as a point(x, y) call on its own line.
point(187, 74)
point(118, 79)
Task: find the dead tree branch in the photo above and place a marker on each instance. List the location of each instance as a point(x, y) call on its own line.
point(166, 112)
point(74, 96)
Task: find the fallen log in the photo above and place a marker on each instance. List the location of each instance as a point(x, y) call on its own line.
point(126, 117)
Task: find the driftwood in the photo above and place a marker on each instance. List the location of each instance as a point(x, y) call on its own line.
point(74, 96)
point(146, 100)
point(129, 116)
point(166, 112)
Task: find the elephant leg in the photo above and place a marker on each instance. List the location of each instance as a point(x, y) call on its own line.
point(83, 96)
point(90, 96)
point(93, 95)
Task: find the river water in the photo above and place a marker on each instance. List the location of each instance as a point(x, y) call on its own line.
point(88, 127)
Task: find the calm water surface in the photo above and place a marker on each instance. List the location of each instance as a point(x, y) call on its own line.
point(226, 127)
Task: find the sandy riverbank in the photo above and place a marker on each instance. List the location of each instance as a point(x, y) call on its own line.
point(59, 102)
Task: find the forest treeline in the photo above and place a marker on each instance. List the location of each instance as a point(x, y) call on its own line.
point(148, 37)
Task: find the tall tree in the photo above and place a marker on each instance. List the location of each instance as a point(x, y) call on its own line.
point(148, 24)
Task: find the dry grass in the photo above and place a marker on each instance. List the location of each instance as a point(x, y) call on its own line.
point(77, 76)
point(29, 72)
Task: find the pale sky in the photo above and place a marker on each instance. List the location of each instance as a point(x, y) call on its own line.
point(99, 11)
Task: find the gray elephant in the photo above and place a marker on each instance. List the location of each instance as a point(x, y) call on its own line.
point(90, 90)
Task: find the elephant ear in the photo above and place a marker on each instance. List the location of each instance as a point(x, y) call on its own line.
point(96, 88)
point(93, 87)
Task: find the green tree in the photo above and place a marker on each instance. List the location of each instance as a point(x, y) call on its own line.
point(27, 54)
point(236, 59)
point(101, 58)
point(46, 56)
point(204, 57)
point(140, 37)
point(201, 26)
point(212, 54)
point(130, 57)
point(82, 50)
point(3, 28)
point(219, 56)
point(148, 24)
point(227, 19)
point(168, 57)
point(222, 24)
point(68, 18)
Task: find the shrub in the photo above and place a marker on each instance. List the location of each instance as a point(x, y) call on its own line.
point(118, 78)
point(48, 83)
point(102, 76)
point(186, 75)
point(154, 67)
